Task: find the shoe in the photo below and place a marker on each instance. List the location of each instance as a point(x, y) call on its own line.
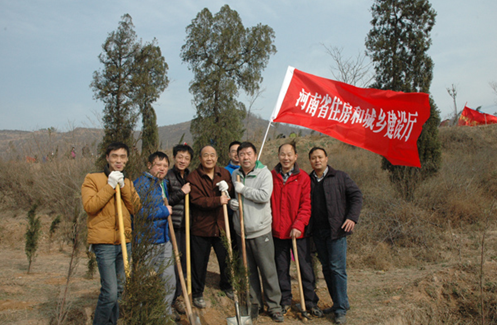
point(277, 317)
point(229, 293)
point(340, 319)
point(199, 302)
point(285, 309)
point(330, 310)
point(316, 312)
point(180, 307)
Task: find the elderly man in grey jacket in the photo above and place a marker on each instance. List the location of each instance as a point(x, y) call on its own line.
point(255, 187)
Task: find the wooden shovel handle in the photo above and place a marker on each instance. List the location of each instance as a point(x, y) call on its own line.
point(299, 277)
point(187, 239)
point(230, 249)
point(244, 247)
point(122, 236)
point(180, 271)
point(242, 225)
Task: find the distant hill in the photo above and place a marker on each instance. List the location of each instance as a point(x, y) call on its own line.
point(43, 143)
point(255, 128)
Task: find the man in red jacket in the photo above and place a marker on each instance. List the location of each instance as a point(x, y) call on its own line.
point(291, 207)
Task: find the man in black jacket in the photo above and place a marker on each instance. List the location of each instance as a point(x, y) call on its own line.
point(336, 203)
point(178, 188)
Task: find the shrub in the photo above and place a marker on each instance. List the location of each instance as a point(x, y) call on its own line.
point(145, 289)
point(53, 228)
point(32, 235)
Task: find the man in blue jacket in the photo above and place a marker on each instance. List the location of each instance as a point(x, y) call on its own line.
point(234, 163)
point(152, 190)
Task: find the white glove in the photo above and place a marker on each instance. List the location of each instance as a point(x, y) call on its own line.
point(114, 178)
point(223, 186)
point(121, 181)
point(234, 205)
point(239, 187)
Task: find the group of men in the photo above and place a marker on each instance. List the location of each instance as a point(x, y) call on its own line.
point(278, 206)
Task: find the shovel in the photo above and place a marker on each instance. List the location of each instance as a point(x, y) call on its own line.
point(122, 237)
point(239, 319)
point(244, 249)
point(193, 318)
point(187, 239)
point(305, 313)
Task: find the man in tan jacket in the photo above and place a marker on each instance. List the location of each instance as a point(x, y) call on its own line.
point(98, 195)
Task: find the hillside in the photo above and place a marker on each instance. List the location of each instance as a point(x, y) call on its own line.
point(43, 143)
point(431, 260)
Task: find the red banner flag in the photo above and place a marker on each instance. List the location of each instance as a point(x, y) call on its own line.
point(471, 117)
point(382, 121)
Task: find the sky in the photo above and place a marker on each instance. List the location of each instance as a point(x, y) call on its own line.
point(49, 50)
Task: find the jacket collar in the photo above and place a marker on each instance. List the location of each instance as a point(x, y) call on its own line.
point(331, 172)
point(233, 166)
point(107, 171)
point(200, 169)
point(296, 168)
point(177, 172)
point(153, 178)
point(255, 171)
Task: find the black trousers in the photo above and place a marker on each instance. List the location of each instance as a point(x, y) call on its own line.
point(200, 250)
point(282, 257)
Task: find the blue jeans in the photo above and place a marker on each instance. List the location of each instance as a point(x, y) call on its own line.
point(112, 278)
point(333, 257)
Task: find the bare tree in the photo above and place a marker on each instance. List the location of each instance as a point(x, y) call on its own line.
point(354, 71)
point(493, 85)
point(250, 109)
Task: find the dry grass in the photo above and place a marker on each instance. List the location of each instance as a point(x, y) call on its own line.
point(414, 262)
point(443, 224)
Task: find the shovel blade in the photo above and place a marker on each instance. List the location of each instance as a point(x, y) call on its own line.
point(196, 319)
point(246, 320)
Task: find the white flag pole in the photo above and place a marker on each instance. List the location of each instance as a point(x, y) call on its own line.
point(283, 90)
point(264, 141)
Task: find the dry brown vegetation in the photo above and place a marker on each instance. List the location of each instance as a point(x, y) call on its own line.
point(417, 262)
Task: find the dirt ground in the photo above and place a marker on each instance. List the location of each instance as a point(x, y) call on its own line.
point(376, 297)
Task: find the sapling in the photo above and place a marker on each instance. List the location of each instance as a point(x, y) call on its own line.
point(32, 235)
point(53, 228)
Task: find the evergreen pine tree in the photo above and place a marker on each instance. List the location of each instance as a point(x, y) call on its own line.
point(225, 58)
point(150, 81)
point(398, 44)
point(132, 79)
point(114, 85)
